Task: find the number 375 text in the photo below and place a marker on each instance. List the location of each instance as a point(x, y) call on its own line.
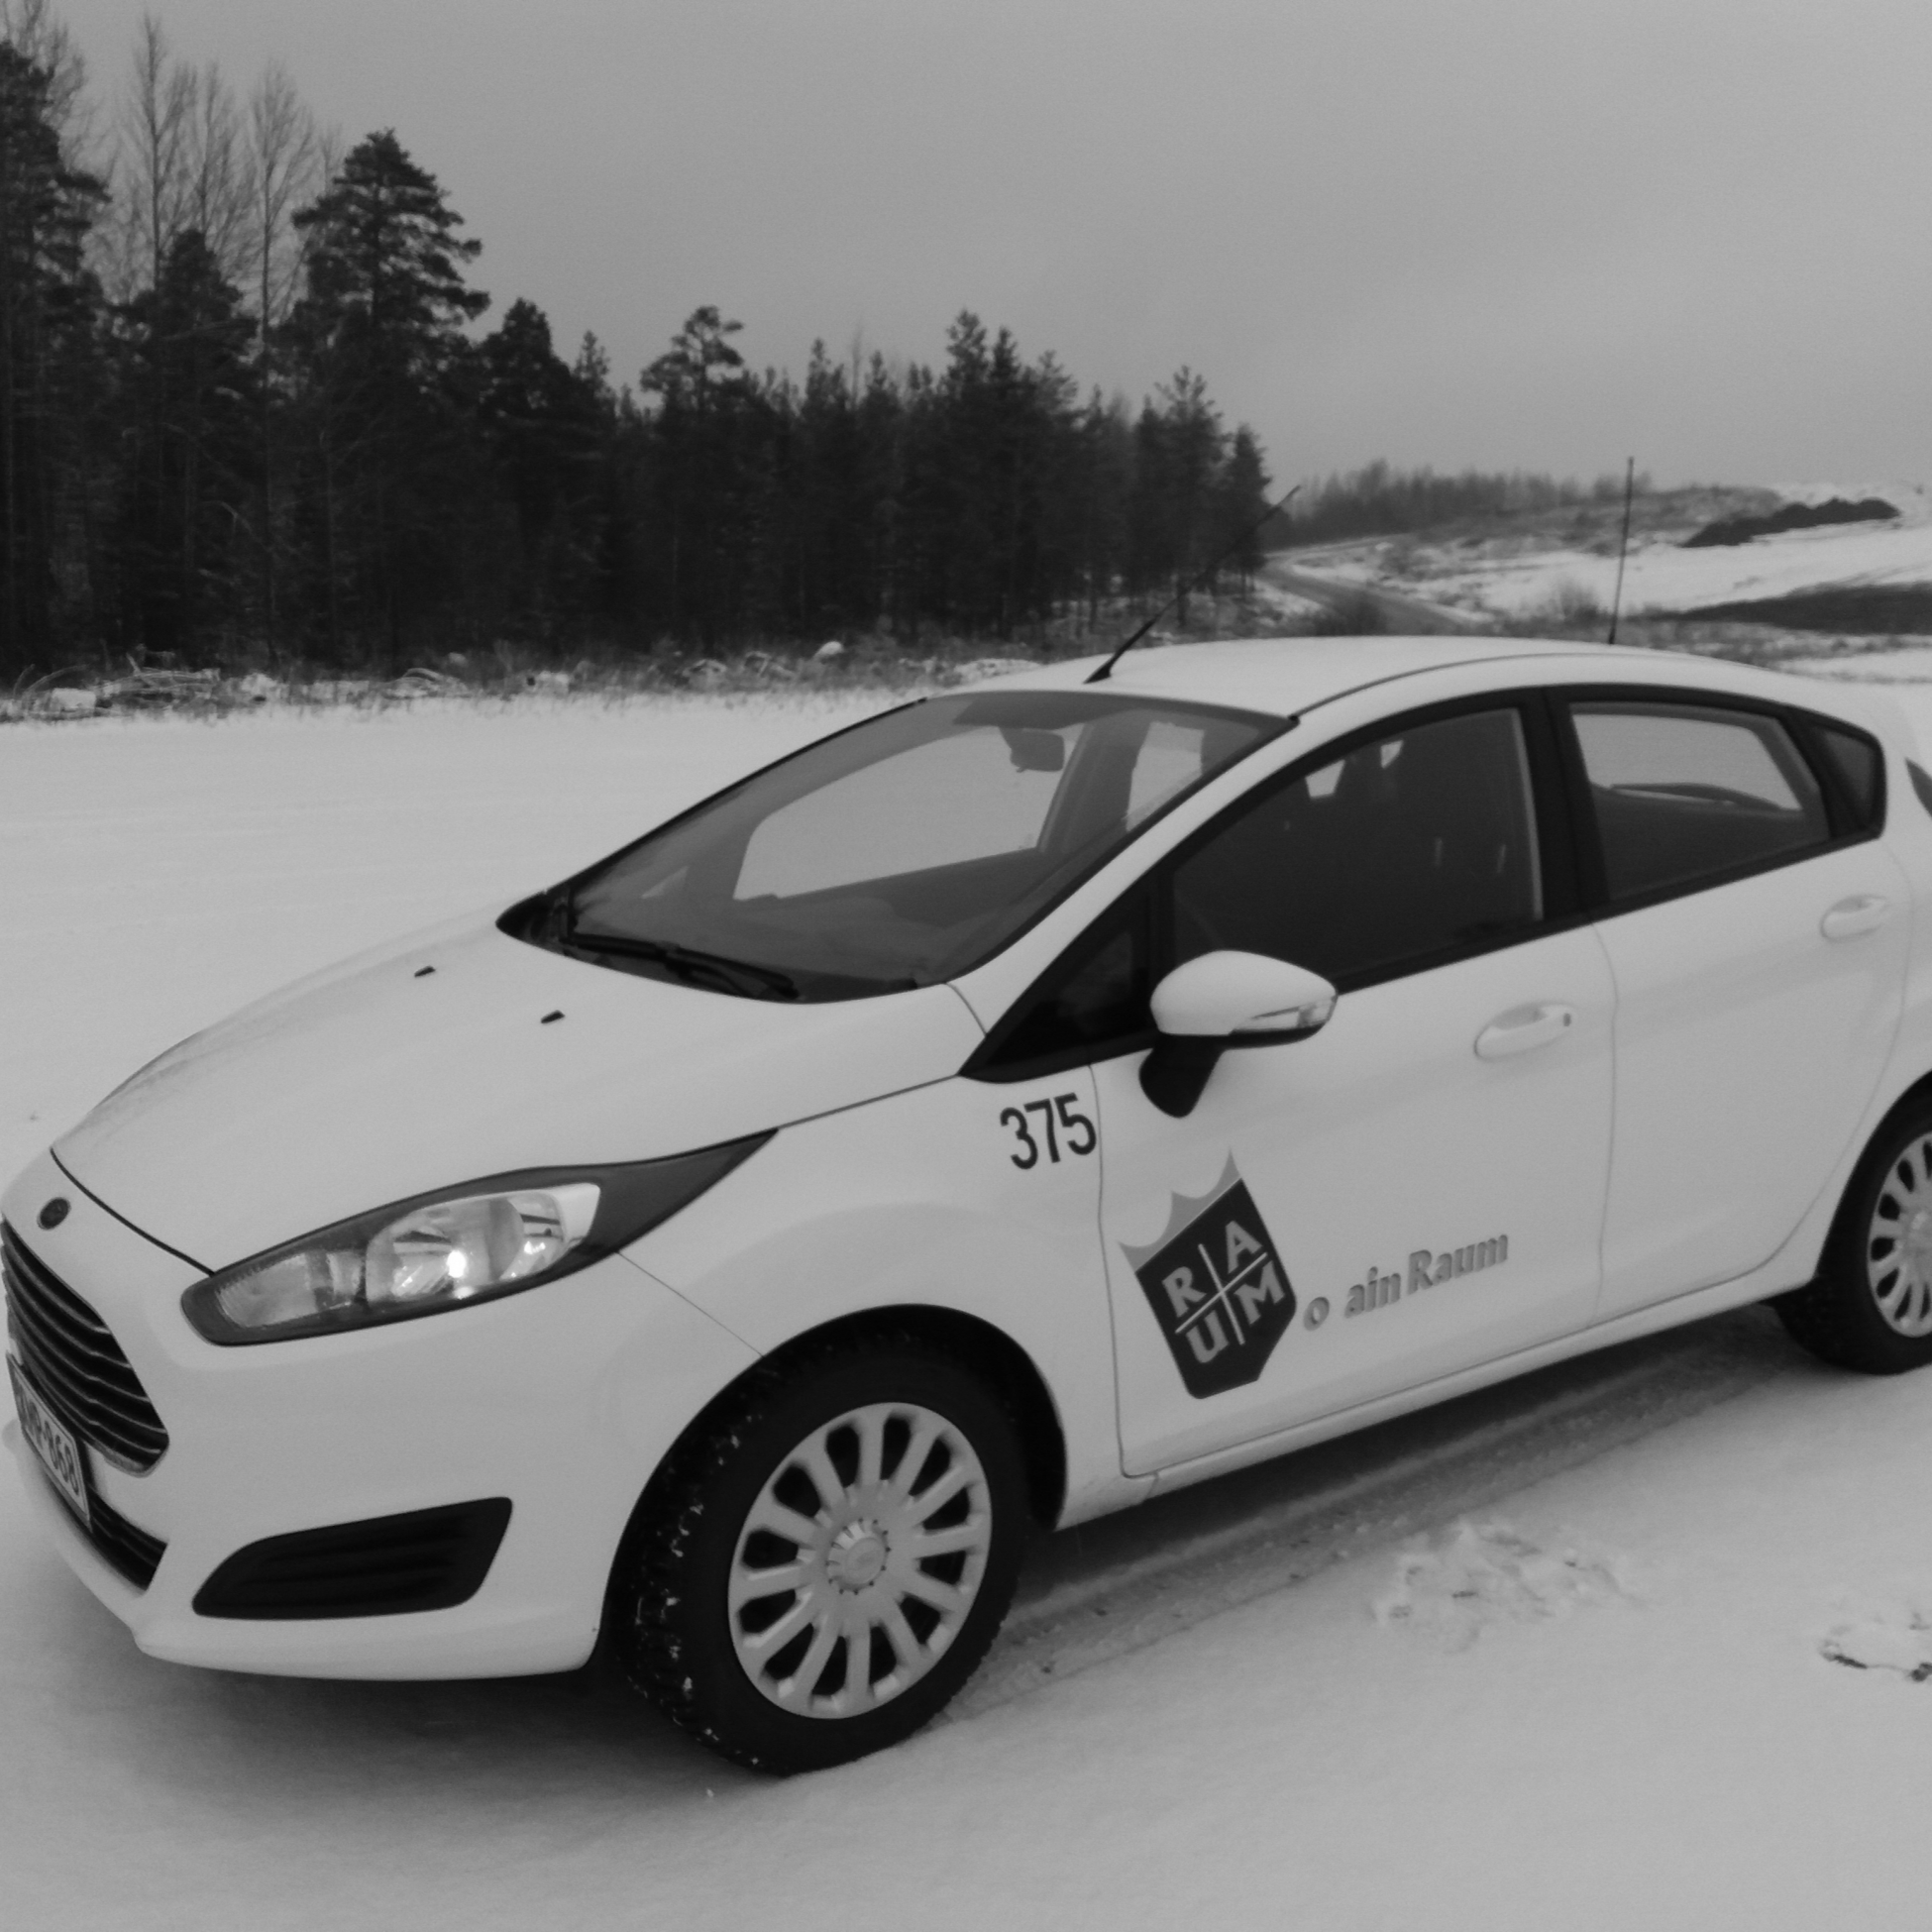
point(1060, 1124)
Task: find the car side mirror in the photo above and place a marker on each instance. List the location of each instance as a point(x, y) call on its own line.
point(1224, 1000)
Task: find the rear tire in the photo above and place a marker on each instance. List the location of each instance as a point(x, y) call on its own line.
point(1870, 1306)
point(825, 1559)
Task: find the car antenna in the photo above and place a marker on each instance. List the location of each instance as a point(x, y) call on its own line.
point(1274, 509)
point(1617, 601)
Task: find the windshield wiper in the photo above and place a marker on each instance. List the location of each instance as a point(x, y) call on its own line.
point(687, 962)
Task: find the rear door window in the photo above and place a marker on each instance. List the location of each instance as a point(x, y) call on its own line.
point(1683, 793)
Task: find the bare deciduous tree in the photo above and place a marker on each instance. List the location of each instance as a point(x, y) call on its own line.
point(156, 125)
point(30, 26)
point(286, 167)
point(216, 192)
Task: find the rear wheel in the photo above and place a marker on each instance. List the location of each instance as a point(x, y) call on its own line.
point(1870, 1307)
point(820, 1568)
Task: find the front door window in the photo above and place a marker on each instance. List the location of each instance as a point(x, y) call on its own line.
point(1409, 849)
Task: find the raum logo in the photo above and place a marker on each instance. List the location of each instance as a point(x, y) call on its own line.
point(1217, 1287)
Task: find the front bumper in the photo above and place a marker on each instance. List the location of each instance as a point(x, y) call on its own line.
point(562, 1399)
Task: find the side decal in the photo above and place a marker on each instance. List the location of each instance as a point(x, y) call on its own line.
point(1217, 1287)
point(1427, 1269)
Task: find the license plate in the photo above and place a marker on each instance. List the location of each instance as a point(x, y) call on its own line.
point(53, 1442)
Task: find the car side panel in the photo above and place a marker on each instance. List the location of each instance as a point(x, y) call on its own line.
point(1908, 841)
point(926, 1199)
point(1749, 1048)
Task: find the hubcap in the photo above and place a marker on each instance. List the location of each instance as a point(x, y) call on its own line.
point(1898, 1244)
point(860, 1559)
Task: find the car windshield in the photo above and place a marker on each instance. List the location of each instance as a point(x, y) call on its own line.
point(897, 854)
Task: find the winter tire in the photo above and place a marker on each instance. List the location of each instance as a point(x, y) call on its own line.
point(1870, 1306)
point(825, 1562)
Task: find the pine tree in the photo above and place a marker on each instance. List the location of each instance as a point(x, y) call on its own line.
point(49, 372)
point(1193, 448)
point(189, 483)
point(711, 449)
point(383, 363)
point(541, 419)
point(1241, 500)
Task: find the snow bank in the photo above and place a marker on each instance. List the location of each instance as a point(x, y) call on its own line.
point(1506, 579)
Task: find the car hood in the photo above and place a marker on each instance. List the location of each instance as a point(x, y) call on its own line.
point(461, 1053)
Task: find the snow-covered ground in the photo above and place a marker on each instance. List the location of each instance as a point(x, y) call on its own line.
point(1507, 578)
point(1908, 663)
point(1685, 1684)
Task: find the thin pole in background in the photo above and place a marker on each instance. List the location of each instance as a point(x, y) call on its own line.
point(1623, 548)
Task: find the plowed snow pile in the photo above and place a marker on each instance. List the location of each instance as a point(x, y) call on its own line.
point(1508, 580)
point(1625, 1698)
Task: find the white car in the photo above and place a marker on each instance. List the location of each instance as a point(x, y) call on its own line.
point(1027, 1100)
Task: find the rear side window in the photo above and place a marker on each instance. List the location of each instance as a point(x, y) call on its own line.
point(1687, 793)
point(1855, 763)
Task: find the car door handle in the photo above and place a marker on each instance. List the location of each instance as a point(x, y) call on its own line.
point(1523, 1028)
point(1866, 912)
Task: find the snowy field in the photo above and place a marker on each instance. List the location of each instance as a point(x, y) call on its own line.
point(1619, 1697)
point(1511, 578)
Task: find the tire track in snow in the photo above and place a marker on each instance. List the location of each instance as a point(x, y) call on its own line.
point(1112, 1587)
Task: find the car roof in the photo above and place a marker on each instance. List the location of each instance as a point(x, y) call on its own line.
point(1287, 675)
point(1284, 675)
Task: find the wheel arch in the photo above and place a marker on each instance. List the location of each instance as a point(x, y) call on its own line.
point(992, 1354)
point(1836, 1314)
point(1829, 1231)
point(989, 1351)
point(1916, 1097)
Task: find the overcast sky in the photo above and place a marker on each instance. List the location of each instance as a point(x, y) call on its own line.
point(1535, 233)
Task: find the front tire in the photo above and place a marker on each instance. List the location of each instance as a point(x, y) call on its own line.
point(823, 1562)
point(1870, 1306)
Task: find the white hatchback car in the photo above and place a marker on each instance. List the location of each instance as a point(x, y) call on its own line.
point(857, 1173)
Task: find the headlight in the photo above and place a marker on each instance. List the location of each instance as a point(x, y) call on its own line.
point(451, 1249)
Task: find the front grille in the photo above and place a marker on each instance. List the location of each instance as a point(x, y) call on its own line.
point(78, 1366)
point(129, 1549)
point(126, 1547)
point(383, 1567)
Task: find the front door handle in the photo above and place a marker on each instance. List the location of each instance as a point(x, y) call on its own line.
point(1523, 1028)
point(1864, 913)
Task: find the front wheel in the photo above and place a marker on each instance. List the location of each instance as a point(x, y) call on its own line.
point(1870, 1306)
point(821, 1566)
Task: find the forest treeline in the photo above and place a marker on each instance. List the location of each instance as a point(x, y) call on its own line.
point(250, 412)
point(1378, 500)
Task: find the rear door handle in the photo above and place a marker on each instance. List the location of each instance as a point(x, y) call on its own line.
point(1866, 912)
point(1523, 1028)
